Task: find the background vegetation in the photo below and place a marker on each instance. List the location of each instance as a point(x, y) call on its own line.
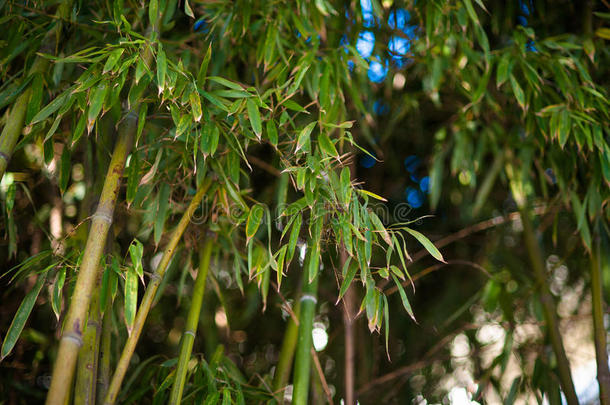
point(234, 201)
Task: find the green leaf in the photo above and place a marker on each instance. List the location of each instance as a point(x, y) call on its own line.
point(294, 236)
point(503, 69)
point(136, 251)
point(303, 140)
point(327, 145)
point(65, 169)
point(161, 68)
point(427, 244)
point(131, 298)
point(254, 117)
point(471, 13)
point(347, 280)
point(51, 107)
point(255, 218)
point(226, 83)
point(112, 60)
point(195, 102)
point(518, 92)
point(36, 91)
point(403, 296)
point(203, 69)
point(272, 132)
point(153, 12)
point(162, 205)
point(370, 194)
point(22, 315)
point(57, 291)
point(188, 10)
point(133, 178)
point(96, 102)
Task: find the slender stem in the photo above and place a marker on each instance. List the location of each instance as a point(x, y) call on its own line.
point(103, 375)
point(487, 184)
point(86, 370)
point(16, 119)
point(548, 305)
point(289, 344)
point(188, 337)
point(349, 301)
point(601, 353)
point(302, 366)
point(149, 295)
point(72, 336)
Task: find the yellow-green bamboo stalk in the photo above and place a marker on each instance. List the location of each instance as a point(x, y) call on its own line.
point(188, 337)
point(597, 298)
point(86, 369)
point(302, 364)
point(149, 295)
point(71, 340)
point(284, 365)
point(74, 324)
point(517, 185)
point(103, 375)
point(16, 118)
point(548, 306)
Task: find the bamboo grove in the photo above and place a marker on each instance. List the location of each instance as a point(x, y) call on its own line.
point(212, 144)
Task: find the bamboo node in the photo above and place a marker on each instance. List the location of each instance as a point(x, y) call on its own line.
point(189, 332)
point(4, 156)
point(309, 297)
point(103, 216)
point(73, 337)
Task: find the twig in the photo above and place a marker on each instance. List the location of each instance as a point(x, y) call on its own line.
point(316, 361)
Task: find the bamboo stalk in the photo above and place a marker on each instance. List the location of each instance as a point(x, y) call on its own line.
point(284, 365)
point(103, 379)
point(16, 118)
point(72, 336)
point(601, 353)
point(86, 369)
point(71, 340)
point(149, 295)
point(548, 305)
point(188, 337)
point(302, 366)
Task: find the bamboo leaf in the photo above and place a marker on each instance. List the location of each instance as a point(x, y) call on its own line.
point(188, 10)
point(254, 117)
point(136, 251)
point(153, 12)
point(161, 68)
point(51, 107)
point(272, 132)
point(403, 296)
point(254, 221)
point(371, 194)
point(64, 169)
point(427, 244)
point(57, 291)
point(327, 145)
point(303, 140)
point(112, 60)
point(203, 69)
point(131, 298)
point(347, 280)
point(195, 102)
point(518, 92)
point(96, 102)
point(21, 317)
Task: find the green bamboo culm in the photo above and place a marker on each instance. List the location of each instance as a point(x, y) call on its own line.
point(149, 295)
point(289, 344)
point(597, 298)
point(74, 324)
point(188, 337)
point(103, 374)
point(548, 306)
point(517, 185)
point(87, 366)
point(302, 363)
point(16, 118)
